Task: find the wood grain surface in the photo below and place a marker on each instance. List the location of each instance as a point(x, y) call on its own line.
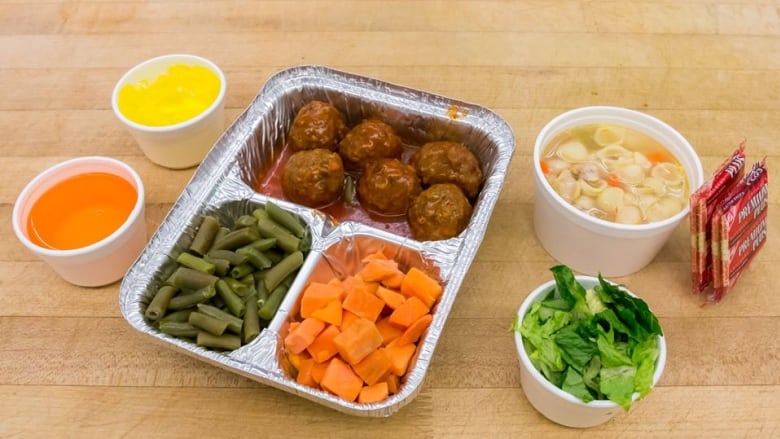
point(70, 366)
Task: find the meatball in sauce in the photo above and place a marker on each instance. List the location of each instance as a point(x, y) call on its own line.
point(314, 178)
point(440, 212)
point(449, 162)
point(317, 125)
point(387, 187)
point(369, 140)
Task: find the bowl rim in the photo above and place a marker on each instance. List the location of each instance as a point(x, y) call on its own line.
point(82, 165)
point(169, 59)
point(533, 297)
point(638, 118)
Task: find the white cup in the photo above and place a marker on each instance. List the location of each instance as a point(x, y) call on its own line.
point(554, 403)
point(105, 261)
point(591, 245)
point(180, 145)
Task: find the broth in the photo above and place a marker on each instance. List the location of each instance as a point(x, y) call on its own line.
point(615, 173)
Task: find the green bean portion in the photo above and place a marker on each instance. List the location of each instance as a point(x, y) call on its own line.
point(229, 282)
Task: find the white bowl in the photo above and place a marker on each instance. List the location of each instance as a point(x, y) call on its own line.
point(105, 261)
point(184, 144)
point(555, 404)
point(590, 245)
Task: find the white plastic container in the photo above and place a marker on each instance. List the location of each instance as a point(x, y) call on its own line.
point(105, 261)
point(555, 404)
point(590, 245)
point(184, 144)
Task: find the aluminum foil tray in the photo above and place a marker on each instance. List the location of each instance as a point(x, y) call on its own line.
point(225, 185)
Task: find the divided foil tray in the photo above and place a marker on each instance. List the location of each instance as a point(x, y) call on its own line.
point(224, 184)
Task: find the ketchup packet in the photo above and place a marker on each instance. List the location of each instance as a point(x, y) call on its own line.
point(738, 229)
point(703, 203)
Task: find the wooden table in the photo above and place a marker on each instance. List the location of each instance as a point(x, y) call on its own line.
point(70, 366)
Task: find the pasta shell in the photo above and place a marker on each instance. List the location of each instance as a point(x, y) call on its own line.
point(605, 136)
point(652, 185)
point(670, 173)
point(641, 160)
point(556, 166)
point(610, 199)
point(573, 152)
point(592, 188)
point(585, 203)
point(631, 173)
point(628, 215)
point(665, 207)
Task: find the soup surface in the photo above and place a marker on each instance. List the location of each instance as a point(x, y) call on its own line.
point(80, 211)
point(615, 173)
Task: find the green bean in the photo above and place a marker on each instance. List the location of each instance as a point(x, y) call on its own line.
point(270, 229)
point(248, 280)
point(284, 268)
point(225, 341)
point(285, 219)
point(229, 255)
point(274, 255)
point(233, 323)
point(179, 329)
point(245, 221)
point(272, 304)
point(251, 328)
point(255, 257)
point(234, 303)
point(159, 303)
point(180, 316)
point(221, 233)
point(262, 244)
point(209, 226)
point(235, 239)
point(193, 298)
point(195, 263)
point(241, 289)
point(221, 266)
point(242, 270)
point(207, 323)
point(189, 279)
point(261, 291)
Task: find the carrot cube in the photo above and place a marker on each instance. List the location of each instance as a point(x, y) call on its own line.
point(340, 380)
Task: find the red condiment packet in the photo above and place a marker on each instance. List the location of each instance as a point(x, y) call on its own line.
point(739, 229)
point(703, 202)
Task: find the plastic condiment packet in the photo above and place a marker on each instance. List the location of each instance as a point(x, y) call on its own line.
point(703, 203)
point(739, 229)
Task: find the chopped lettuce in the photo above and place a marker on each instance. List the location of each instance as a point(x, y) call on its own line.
point(592, 343)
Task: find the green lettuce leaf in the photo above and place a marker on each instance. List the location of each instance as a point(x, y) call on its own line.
point(575, 350)
point(611, 355)
point(573, 384)
point(644, 356)
point(569, 289)
point(618, 384)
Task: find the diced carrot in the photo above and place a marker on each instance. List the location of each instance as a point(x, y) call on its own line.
point(614, 180)
point(417, 283)
point(322, 348)
point(408, 312)
point(658, 156)
point(340, 380)
point(295, 359)
point(303, 335)
point(375, 393)
point(394, 281)
point(391, 298)
point(545, 167)
point(399, 357)
point(347, 318)
point(388, 330)
point(358, 340)
point(317, 295)
point(379, 254)
point(335, 282)
point(378, 269)
point(318, 371)
point(304, 373)
point(363, 304)
point(293, 325)
point(393, 383)
point(413, 332)
point(330, 313)
point(374, 367)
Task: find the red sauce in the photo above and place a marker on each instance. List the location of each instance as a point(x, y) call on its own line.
point(271, 185)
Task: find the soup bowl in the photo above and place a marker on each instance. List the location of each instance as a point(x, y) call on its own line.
point(589, 244)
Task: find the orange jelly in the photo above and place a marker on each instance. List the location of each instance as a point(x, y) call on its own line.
point(80, 211)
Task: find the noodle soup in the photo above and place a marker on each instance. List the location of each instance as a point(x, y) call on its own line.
point(615, 173)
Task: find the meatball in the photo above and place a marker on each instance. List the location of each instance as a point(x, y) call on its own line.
point(369, 140)
point(439, 212)
point(448, 162)
point(314, 177)
point(388, 186)
point(317, 125)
